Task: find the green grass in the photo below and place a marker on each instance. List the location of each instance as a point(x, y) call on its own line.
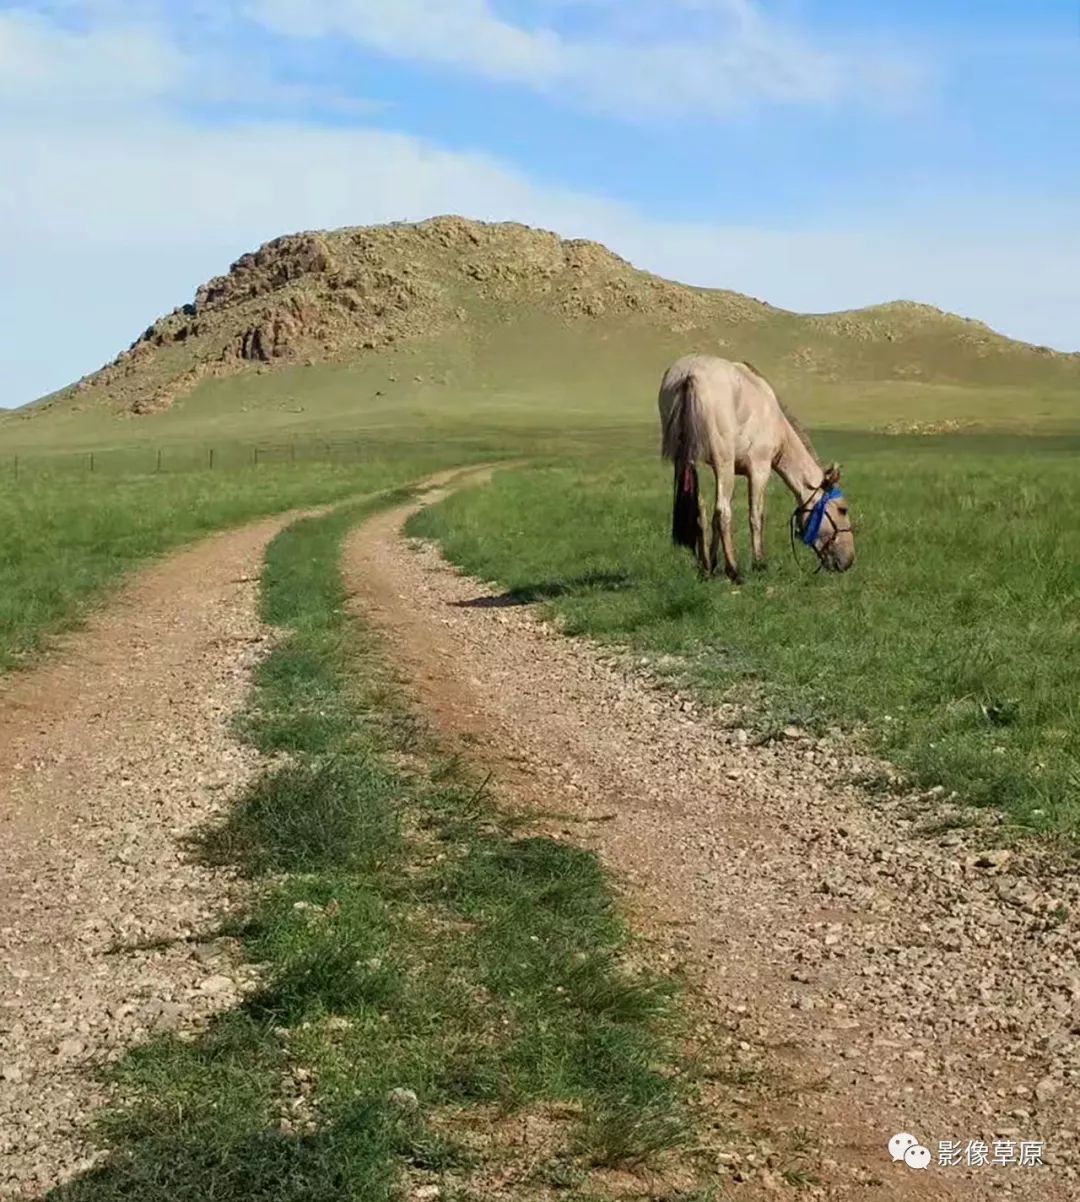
point(412, 938)
point(953, 644)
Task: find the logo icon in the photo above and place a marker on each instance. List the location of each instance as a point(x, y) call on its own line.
point(908, 1149)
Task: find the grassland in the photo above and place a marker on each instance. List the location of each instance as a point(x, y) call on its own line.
point(953, 646)
point(541, 380)
point(432, 976)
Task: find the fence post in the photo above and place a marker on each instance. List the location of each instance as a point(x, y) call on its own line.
point(255, 456)
point(91, 460)
point(158, 468)
point(16, 465)
point(211, 458)
point(292, 452)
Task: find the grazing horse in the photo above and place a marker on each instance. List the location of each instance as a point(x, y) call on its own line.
point(726, 415)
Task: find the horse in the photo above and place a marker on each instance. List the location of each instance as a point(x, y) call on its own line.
point(726, 415)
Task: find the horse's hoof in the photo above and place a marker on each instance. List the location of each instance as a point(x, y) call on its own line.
point(737, 579)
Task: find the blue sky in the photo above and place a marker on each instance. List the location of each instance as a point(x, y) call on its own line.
point(820, 154)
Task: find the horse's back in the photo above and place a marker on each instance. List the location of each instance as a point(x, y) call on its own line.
point(738, 408)
point(720, 384)
point(708, 372)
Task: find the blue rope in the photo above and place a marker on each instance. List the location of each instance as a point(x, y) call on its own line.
point(817, 515)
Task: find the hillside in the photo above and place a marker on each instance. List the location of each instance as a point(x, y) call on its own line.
point(352, 295)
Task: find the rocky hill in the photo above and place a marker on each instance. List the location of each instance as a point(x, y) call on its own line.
point(336, 296)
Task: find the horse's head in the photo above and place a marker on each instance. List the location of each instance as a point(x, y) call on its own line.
point(825, 523)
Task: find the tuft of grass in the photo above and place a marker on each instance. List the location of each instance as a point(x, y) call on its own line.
point(952, 645)
point(310, 815)
point(422, 961)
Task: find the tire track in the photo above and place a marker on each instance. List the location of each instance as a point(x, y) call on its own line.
point(111, 753)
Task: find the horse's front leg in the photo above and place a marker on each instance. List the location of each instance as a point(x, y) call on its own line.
point(722, 532)
point(757, 481)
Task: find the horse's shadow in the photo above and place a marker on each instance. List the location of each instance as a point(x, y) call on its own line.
point(547, 590)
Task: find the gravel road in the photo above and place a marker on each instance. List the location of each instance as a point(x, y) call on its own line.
point(890, 971)
point(110, 754)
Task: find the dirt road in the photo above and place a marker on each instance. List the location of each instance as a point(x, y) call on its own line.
point(884, 979)
point(110, 754)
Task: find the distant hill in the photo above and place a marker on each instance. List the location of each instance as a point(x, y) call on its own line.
point(346, 295)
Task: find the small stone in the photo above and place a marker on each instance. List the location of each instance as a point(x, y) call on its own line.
point(426, 1193)
point(996, 859)
point(217, 984)
point(68, 1049)
point(1046, 1089)
point(404, 1099)
point(11, 1072)
point(170, 1016)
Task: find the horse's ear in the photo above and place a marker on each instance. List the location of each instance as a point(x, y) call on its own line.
point(832, 475)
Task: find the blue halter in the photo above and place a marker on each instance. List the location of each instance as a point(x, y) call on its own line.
point(817, 515)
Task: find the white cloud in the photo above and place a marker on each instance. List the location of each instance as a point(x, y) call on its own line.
point(465, 33)
point(739, 58)
point(43, 66)
point(111, 216)
point(120, 54)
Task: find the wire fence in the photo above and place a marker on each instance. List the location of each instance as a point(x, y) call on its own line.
point(181, 457)
point(374, 444)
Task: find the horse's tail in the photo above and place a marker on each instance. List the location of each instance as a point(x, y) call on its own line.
point(685, 511)
point(681, 444)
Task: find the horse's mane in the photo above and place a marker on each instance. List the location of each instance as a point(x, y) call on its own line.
point(799, 429)
point(793, 421)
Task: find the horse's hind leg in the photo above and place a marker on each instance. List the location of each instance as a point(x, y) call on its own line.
point(706, 556)
point(757, 481)
point(722, 532)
